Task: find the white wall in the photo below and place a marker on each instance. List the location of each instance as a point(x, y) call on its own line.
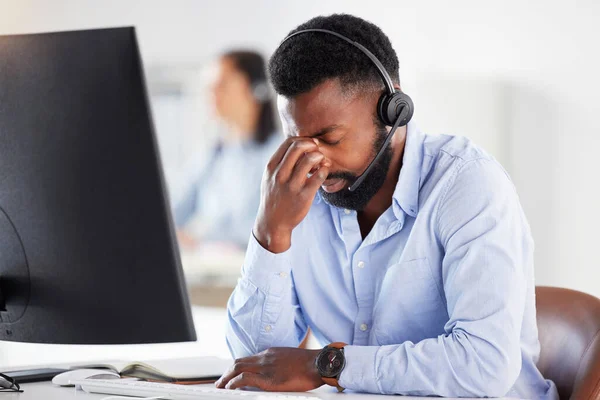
point(519, 77)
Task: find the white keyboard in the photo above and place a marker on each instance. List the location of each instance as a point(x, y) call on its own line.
point(130, 387)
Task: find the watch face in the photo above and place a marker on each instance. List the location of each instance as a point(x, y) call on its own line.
point(331, 362)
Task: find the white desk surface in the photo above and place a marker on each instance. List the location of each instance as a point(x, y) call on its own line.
point(47, 391)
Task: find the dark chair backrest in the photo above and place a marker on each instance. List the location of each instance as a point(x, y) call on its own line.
point(569, 332)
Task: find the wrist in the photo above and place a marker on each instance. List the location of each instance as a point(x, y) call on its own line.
point(274, 240)
point(311, 367)
point(330, 363)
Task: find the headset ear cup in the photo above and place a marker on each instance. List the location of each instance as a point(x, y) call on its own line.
point(390, 107)
point(404, 108)
point(382, 108)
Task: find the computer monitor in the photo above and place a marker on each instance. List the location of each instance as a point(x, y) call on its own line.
point(88, 253)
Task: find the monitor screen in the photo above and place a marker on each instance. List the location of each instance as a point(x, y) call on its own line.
point(87, 248)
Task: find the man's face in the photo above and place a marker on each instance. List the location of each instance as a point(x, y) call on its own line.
point(348, 136)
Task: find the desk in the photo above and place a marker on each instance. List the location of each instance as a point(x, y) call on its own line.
point(47, 391)
point(210, 328)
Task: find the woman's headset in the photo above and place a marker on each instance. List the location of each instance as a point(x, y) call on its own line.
point(394, 107)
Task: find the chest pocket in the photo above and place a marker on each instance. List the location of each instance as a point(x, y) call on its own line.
point(410, 305)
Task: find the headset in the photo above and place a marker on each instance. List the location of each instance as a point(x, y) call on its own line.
point(394, 107)
point(260, 91)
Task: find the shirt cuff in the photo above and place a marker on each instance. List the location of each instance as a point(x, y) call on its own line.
point(269, 272)
point(359, 372)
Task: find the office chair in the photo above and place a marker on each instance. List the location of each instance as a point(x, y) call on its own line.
point(569, 332)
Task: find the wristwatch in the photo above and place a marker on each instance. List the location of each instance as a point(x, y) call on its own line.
point(330, 363)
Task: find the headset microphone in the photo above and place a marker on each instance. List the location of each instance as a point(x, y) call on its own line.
point(362, 176)
point(394, 107)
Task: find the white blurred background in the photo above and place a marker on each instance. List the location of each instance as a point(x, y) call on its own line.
point(519, 78)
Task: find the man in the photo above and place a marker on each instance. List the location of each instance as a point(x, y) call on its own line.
point(423, 274)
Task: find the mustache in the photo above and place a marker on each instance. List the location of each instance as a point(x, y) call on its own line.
point(351, 178)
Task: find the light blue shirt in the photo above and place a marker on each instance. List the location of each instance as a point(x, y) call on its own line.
point(225, 195)
point(438, 299)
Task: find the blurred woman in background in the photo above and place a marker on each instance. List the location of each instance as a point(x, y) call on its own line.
point(221, 203)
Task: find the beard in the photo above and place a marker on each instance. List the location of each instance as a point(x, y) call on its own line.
point(358, 199)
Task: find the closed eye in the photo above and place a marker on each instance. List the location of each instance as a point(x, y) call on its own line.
point(330, 142)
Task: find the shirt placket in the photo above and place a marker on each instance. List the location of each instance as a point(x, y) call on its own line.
point(361, 274)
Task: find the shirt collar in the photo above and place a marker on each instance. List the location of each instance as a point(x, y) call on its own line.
point(406, 194)
point(317, 198)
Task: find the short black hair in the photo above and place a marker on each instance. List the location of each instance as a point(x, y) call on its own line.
point(305, 61)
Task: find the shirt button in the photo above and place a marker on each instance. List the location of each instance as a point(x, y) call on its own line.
point(361, 264)
point(282, 274)
point(268, 328)
point(346, 211)
point(364, 327)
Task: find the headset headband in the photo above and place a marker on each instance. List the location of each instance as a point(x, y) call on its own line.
point(382, 72)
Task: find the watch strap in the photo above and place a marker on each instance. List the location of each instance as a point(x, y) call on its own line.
point(334, 381)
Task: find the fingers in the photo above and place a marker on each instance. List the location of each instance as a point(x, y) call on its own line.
point(239, 367)
point(272, 370)
point(248, 379)
point(309, 162)
point(277, 157)
point(292, 155)
point(312, 184)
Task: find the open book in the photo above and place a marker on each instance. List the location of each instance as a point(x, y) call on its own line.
point(182, 371)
